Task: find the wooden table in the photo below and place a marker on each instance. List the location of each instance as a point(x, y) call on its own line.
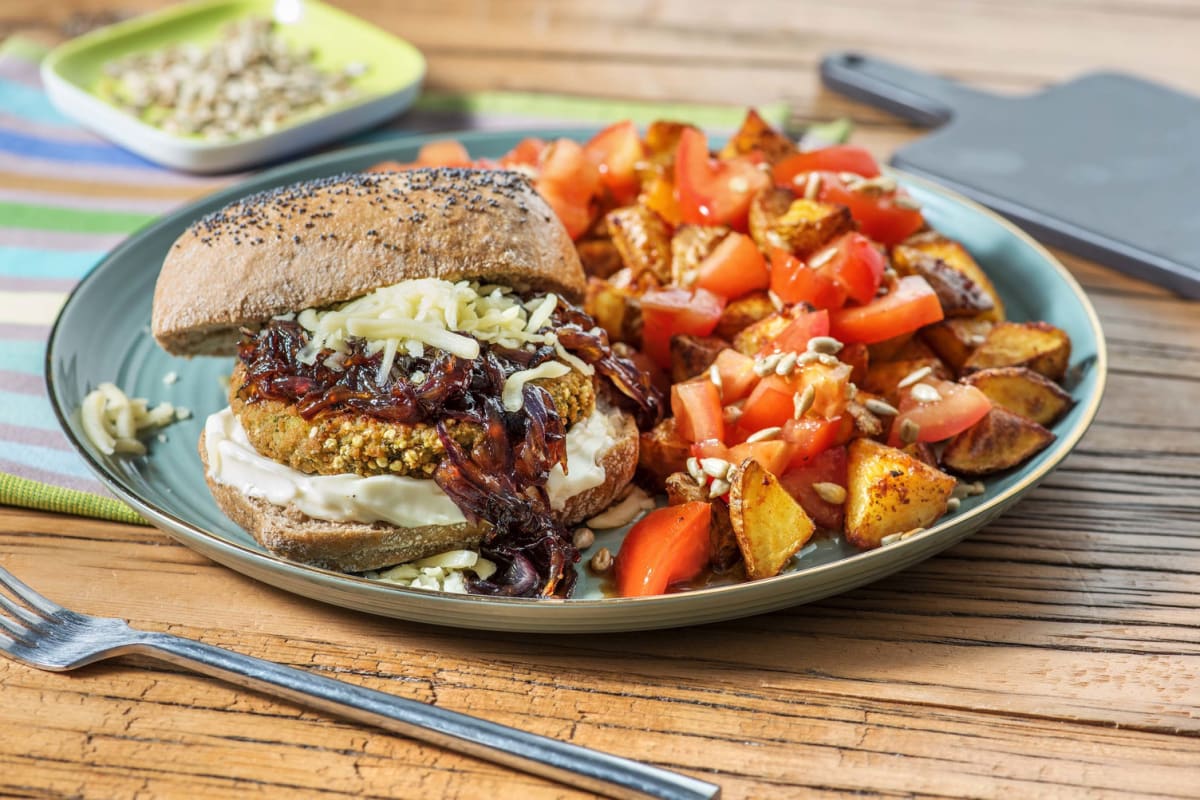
point(1054, 654)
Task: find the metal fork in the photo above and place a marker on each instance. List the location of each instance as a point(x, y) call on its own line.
point(42, 634)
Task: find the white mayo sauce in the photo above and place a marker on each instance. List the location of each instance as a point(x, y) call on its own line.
point(401, 501)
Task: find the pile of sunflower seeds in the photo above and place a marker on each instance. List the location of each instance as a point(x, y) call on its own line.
point(249, 81)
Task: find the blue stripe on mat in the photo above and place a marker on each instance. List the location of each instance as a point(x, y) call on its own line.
point(76, 152)
point(32, 410)
point(32, 262)
point(31, 103)
point(22, 357)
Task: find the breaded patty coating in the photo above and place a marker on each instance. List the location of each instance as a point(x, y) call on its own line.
point(337, 443)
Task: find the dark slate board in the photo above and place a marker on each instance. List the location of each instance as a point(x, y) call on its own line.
point(1106, 166)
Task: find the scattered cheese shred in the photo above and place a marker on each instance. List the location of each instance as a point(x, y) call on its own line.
point(112, 420)
point(513, 393)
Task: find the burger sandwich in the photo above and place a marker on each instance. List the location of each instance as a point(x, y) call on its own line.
point(412, 375)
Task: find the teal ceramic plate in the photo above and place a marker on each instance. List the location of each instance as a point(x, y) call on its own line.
point(74, 77)
point(102, 334)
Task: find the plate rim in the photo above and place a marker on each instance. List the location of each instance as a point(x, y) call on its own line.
point(563, 613)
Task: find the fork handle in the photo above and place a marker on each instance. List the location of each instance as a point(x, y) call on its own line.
point(566, 763)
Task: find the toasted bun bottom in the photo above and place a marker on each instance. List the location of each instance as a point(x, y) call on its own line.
point(359, 546)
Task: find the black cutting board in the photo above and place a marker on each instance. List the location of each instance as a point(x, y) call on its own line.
point(1106, 166)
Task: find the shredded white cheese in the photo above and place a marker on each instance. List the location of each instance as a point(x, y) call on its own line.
point(112, 420)
point(441, 572)
point(514, 388)
point(454, 317)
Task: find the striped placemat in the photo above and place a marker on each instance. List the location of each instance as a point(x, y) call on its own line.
point(68, 196)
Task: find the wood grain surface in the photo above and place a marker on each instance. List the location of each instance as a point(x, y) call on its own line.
point(1054, 654)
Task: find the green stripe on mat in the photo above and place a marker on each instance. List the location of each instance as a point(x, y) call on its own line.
point(16, 491)
point(71, 220)
point(22, 47)
point(593, 109)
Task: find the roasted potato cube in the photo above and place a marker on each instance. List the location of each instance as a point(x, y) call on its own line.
point(690, 245)
point(615, 309)
point(756, 134)
point(1023, 391)
point(902, 348)
point(662, 140)
point(882, 379)
point(959, 295)
point(953, 340)
point(889, 491)
point(725, 552)
point(599, 257)
point(643, 241)
point(779, 219)
point(692, 355)
point(1038, 346)
point(921, 451)
point(662, 452)
point(755, 337)
point(1000, 440)
point(742, 312)
point(906, 258)
point(769, 525)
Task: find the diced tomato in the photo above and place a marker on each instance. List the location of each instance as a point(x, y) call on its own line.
point(667, 312)
point(804, 326)
point(697, 409)
point(794, 282)
point(856, 266)
point(770, 404)
point(960, 406)
point(528, 152)
point(828, 466)
point(911, 305)
point(878, 216)
point(810, 436)
point(737, 374)
point(838, 158)
point(667, 546)
point(568, 181)
point(443, 153)
point(774, 455)
point(733, 268)
point(714, 192)
point(616, 150)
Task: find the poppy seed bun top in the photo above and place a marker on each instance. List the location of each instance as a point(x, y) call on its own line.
point(321, 242)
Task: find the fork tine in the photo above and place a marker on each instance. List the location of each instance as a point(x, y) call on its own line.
point(14, 631)
point(20, 612)
point(27, 595)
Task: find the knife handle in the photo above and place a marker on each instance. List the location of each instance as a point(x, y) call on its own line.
point(918, 97)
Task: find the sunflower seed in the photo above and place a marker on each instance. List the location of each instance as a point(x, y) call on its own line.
point(909, 431)
point(825, 344)
point(786, 364)
point(906, 202)
point(714, 375)
point(812, 186)
point(891, 538)
point(953, 504)
point(719, 487)
point(583, 538)
point(802, 401)
point(715, 467)
point(806, 358)
point(764, 435)
point(820, 258)
point(880, 408)
point(693, 469)
point(830, 492)
point(912, 533)
point(775, 299)
point(924, 393)
point(601, 562)
point(914, 377)
point(828, 360)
